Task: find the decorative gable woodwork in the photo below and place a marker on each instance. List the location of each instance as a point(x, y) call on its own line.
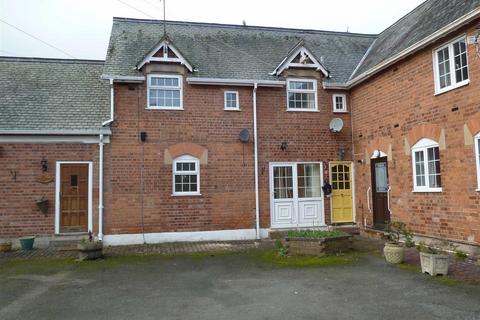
point(165, 52)
point(300, 57)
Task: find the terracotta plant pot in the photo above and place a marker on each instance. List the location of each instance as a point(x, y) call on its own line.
point(90, 250)
point(434, 264)
point(394, 253)
point(5, 247)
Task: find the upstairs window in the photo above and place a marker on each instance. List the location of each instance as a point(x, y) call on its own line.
point(302, 95)
point(426, 166)
point(186, 176)
point(231, 100)
point(339, 103)
point(451, 66)
point(165, 92)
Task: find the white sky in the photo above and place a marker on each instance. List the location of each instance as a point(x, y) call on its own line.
point(82, 27)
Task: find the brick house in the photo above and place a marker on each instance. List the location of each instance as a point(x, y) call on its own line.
point(210, 131)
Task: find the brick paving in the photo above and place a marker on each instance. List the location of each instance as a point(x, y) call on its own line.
point(162, 248)
point(465, 270)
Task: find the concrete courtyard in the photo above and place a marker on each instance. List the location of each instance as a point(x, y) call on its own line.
point(250, 285)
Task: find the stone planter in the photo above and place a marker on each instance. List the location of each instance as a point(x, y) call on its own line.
point(5, 246)
point(394, 253)
point(434, 264)
point(90, 250)
point(317, 246)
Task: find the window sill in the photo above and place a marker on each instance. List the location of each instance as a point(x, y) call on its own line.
point(338, 111)
point(164, 108)
point(428, 191)
point(231, 109)
point(186, 195)
point(303, 110)
point(453, 87)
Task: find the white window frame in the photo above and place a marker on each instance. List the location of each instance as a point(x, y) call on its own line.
point(314, 91)
point(344, 99)
point(477, 159)
point(180, 87)
point(422, 146)
point(237, 95)
point(181, 159)
point(436, 70)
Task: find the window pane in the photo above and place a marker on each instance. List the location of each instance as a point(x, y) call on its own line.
point(433, 157)
point(283, 183)
point(443, 57)
point(301, 85)
point(420, 169)
point(308, 180)
point(460, 58)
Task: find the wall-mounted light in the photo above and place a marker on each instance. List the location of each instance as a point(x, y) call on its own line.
point(284, 146)
point(44, 164)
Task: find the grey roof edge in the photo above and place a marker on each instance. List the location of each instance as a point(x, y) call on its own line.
point(105, 131)
point(50, 60)
point(238, 26)
point(458, 23)
point(120, 78)
point(362, 60)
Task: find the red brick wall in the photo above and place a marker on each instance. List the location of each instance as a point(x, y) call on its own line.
point(227, 180)
point(397, 102)
point(19, 214)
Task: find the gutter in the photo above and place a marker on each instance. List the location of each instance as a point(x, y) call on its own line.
point(415, 47)
point(122, 78)
point(105, 131)
point(255, 153)
point(236, 82)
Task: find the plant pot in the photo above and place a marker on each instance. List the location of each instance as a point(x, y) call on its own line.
point(90, 250)
point(394, 253)
point(27, 242)
point(5, 247)
point(434, 264)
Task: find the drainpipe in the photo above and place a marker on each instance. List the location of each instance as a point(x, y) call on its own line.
point(111, 105)
point(255, 152)
point(100, 188)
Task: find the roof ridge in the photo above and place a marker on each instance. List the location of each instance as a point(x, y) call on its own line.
point(45, 60)
point(238, 26)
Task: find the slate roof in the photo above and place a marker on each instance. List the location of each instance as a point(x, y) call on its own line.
point(231, 51)
point(52, 95)
point(417, 25)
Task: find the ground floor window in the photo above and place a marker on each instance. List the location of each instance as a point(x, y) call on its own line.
point(186, 176)
point(426, 166)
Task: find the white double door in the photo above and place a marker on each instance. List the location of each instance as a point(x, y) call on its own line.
point(296, 197)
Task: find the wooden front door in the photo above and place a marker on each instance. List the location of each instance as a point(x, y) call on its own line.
point(73, 198)
point(342, 196)
point(380, 185)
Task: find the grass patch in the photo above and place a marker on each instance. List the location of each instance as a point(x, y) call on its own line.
point(317, 234)
point(408, 267)
point(272, 257)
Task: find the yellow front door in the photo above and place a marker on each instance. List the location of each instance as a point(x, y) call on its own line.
point(342, 201)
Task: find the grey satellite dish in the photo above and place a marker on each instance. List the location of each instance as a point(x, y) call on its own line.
point(244, 135)
point(336, 125)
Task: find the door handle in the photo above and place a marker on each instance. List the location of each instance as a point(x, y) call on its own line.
point(368, 199)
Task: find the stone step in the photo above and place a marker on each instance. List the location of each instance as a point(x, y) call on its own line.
point(66, 242)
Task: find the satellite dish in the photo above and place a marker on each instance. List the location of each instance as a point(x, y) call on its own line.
point(244, 135)
point(336, 125)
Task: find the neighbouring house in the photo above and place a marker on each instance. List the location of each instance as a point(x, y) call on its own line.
point(224, 132)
